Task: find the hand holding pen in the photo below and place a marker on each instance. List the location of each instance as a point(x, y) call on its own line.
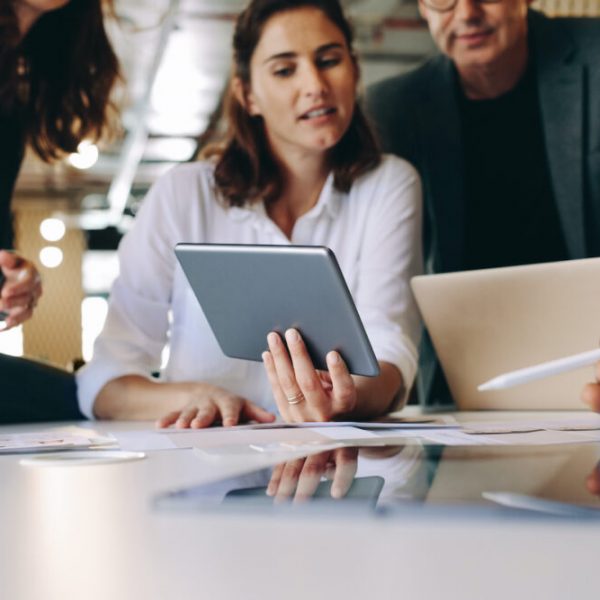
point(20, 289)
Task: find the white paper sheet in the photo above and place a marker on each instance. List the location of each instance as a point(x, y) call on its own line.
point(145, 440)
point(345, 433)
point(41, 442)
point(518, 433)
point(589, 423)
point(490, 433)
point(221, 437)
point(425, 422)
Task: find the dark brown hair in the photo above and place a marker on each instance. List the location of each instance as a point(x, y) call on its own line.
point(245, 168)
point(59, 77)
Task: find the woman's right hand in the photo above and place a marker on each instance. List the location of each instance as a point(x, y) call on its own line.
point(300, 478)
point(210, 404)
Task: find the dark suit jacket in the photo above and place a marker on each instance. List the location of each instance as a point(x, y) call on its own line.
point(417, 118)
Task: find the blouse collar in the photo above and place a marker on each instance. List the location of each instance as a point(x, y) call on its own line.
point(329, 202)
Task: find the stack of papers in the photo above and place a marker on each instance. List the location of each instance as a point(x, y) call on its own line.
point(271, 437)
point(309, 436)
point(42, 442)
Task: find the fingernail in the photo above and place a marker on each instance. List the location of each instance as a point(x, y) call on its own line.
point(334, 358)
point(336, 493)
point(291, 335)
point(273, 338)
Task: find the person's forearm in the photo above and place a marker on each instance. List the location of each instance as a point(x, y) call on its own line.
point(375, 395)
point(134, 397)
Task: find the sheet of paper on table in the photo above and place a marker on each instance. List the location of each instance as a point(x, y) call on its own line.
point(270, 434)
point(530, 438)
point(519, 432)
point(308, 435)
point(398, 423)
point(251, 439)
point(42, 442)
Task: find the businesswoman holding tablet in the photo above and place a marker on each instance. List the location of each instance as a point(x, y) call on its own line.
point(299, 165)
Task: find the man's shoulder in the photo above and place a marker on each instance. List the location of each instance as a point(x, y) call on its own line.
point(586, 32)
point(584, 26)
point(408, 86)
point(583, 32)
point(396, 105)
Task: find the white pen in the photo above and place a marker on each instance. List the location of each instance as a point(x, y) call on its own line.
point(553, 507)
point(553, 367)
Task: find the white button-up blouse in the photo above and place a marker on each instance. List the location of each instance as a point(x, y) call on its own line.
point(374, 231)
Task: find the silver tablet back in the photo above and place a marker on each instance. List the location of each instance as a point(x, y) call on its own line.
point(246, 291)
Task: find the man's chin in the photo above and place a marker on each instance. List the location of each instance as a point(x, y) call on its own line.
point(474, 58)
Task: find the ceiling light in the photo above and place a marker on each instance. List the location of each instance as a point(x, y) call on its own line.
point(85, 157)
point(53, 229)
point(51, 256)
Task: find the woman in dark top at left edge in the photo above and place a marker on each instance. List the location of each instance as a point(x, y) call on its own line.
point(57, 69)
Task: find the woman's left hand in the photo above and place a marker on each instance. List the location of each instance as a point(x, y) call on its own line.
point(302, 393)
point(21, 290)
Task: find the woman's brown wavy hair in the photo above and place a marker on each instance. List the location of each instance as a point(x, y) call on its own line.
point(58, 78)
point(245, 167)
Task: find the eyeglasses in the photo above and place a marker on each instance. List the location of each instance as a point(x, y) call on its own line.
point(448, 5)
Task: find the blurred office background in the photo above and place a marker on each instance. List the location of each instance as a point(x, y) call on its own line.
point(175, 54)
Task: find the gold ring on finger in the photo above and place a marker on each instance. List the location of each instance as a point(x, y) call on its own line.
point(296, 399)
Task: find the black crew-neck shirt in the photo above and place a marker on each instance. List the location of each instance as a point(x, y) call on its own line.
point(511, 216)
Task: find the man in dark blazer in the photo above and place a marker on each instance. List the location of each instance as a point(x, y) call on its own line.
point(504, 128)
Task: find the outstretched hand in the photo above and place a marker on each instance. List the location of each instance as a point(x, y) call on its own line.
point(209, 404)
point(592, 481)
point(591, 392)
point(21, 290)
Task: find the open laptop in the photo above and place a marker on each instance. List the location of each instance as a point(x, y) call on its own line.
point(487, 322)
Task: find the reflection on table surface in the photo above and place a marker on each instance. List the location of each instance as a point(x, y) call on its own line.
point(421, 530)
point(562, 480)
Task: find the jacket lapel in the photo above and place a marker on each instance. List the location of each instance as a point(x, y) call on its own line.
point(442, 153)
point(560, 83)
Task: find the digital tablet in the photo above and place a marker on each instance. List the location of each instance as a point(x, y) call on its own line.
point(247, 291)
point(233, 494)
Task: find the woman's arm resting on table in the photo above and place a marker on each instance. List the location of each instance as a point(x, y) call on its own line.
point(304, 394)
point(186, 404)
point(591, 392)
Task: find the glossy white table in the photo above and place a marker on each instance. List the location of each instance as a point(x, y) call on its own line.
point(90, 532)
